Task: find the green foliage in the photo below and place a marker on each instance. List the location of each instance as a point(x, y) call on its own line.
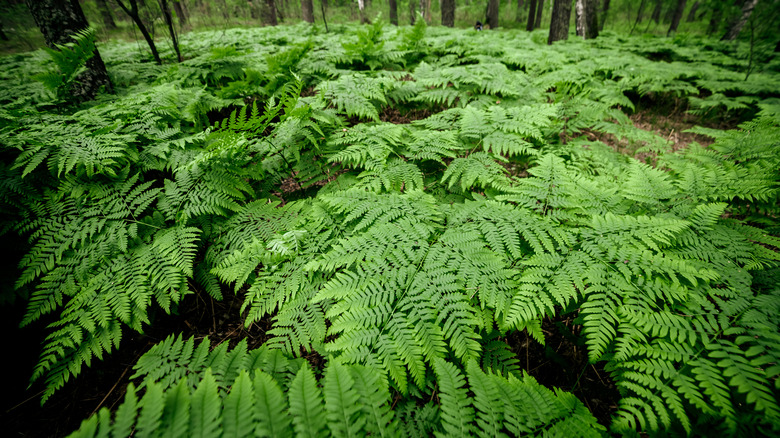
point(404, 226)
point(69, 60)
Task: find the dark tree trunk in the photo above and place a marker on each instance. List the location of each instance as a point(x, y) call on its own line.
point(604, 13)
point(307, 11)
point(412, 12)
point(132, 12)
point(105, 14)
point(659, 4)
point(3, 36)
point(715, 19)
point(531, 15)
point(692, 13)
point(539, 9)
point(638, 15)
point(448, 13)
point(736, 28)
point(394, 12)
point(492, 14)
point(323, 4)
point(586, 19)
point(58, 21)
point(559, 23)
point(181, 14)
point(166, 11)
point(519, 13)
point(678, 12)
point(268, 12)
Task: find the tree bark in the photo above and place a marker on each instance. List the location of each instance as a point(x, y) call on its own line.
point(692, 13)
point(604, 13)
point(412, 12)
point(181, 14)
point(307, 11)
point(678, 12)
point(586, 19)
point(638, 16)
point(132, 12)
point(394, 12)
point(579, 18)
point(715, 19)
point(448, 13)
point(323, 4)
point(539, 9)
point(268, 14)
point(105, 14)
point(736, 28)
point(518, 18)
point(531, 15)
point(492, 14)
point(559, 23)
point(166, 11)
point(657, 11)
point(362, 11)
point(58, 21)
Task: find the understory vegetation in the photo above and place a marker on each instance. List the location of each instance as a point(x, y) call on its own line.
point(393, 206)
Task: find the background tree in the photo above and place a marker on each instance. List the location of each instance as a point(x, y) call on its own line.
point(448, 13)
point(604, 13)
point(559, 23)
point(638, 15)
point(268, 12)
point(105, 14)
point(492, 14)
point(58, 21)
point(166, 11)
point(676, 17)
point(518, 15)
point(539, 9)
point(307, 11)
point(412, 12)
point(531, 15)
point(181, 13)
point(133, 12)
point(394, 12)
point(736, 28)
point(692, 13)
point(659, 4)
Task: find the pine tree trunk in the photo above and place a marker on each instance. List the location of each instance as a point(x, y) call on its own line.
point(307, 11)
point(657, 11)
point(692, 13)
point(736, 28)
point(181, 14)
point(105, 14)
point(394, 12)
point(132, 12)
point(58, 21)
point(448, 13)
point(531, 15)
point(678, 12)
point(539, 9)
point(492, 14)
point(559, 23)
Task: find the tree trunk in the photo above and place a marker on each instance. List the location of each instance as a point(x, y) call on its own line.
point(362, 11)
point(638, 16)
point(132, 12)
point(531, 15)
point(692, 13)
point(604, 13)
point(539, 9)
point(166, 11)
point(715, 18)
point(412, 12)
point(323, 4)
point(559, 23)
point(3, 36)
point(181, 14)
point(448, 13)
point(678, 12)
point(58, 21)
point(307, 11)
point(736, 28)
point(268, 14)
point(518, 18)
point(105, 14)
point(492, 14)
point(394, 12)
point(657, 11)
point(586, 23)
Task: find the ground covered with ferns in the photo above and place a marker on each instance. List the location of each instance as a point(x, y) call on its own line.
point(396, 231)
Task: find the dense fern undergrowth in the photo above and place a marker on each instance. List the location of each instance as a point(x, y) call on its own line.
point(404, 254)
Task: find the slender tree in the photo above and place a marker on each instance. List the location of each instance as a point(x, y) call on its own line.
point(394, 12)
point(58, 21)
point(448, 13)
point(132, 12)
point(307, 11)
point(518, 15)
point(678, 12)
point(736, 28)
point(166, 11)
point(539, 9)
point(412, 12)
point(105, 14)
point(531, 15)
point(559, 23)
point(587, 19)
point(604, 13)
point(492, 14)
point(638, 15)
point(181, 13)
point(323, 4)
point(659, 4)
point(692, 13)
